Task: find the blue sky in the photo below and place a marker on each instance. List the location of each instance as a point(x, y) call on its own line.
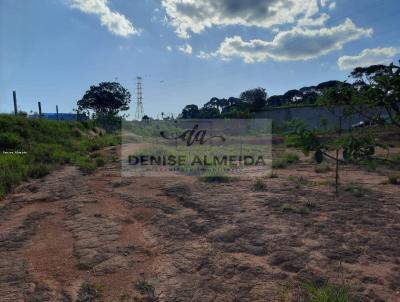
point(187, 51)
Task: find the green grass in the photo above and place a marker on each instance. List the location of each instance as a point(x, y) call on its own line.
point(259, 185)
point(310, 292)
point(46, 144)
point(326, 293)
point(283, 161)
point(214, 176)
point(89, 293)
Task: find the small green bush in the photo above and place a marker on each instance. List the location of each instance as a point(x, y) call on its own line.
point(89, 293)
point(326, 293)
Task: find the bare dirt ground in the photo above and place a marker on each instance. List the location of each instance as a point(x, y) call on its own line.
point(195, 241)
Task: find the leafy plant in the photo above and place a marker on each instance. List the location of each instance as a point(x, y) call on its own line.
point(89, 293)
point(259, 185)
point(326, 293)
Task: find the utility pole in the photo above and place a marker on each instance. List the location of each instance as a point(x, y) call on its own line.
point(57, 111)
point(15, 103)
point(40, 109)
point(139, 104)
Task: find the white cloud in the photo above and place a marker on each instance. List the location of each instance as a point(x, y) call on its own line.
point(169, 48)
point(195, 16)
point(296, 44)
point(319, 21)
point(368, 57)
point(115, 22)
point(332, 6)
point(186, 49)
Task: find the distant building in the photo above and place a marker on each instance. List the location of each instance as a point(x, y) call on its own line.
point(53, 116)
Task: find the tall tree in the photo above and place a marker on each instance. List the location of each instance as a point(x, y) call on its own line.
point(190, 112)
point(376, 87)
point(255, 98)
point(105, 100)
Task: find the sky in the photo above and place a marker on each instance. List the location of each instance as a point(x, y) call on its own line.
point(186, 51)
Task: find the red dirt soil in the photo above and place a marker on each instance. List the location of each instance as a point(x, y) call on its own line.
point(195, 241)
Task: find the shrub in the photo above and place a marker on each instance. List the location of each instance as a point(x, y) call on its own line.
point(89, 293)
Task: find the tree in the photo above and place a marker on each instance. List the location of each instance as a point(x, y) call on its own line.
point(106, 100)
point(190, 112)
point(375, 88)
point(216, 103)
point(256, 99)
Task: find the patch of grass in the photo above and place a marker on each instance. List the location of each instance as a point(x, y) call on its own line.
point(147, 290)
point(214, 177)
point(10, 140)
point(259, 185)
point(310, 205)
point(46, 144)
point(287, 208)
point(89, 293)
point(322, 168)
point(283, 161)
point(325, 293)
point(310, 292)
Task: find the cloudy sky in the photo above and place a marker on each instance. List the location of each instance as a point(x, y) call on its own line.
point(187, 51)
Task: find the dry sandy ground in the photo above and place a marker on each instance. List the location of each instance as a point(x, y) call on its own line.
point(195, 241)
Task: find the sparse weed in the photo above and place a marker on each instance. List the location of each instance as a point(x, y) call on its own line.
point(147, 290)
point(310, 205)
point(326, 293)
point(356, 190)
point(284, 160)
point(310, 292)
point(259, 185)
point(287, 208)
point(89, 292)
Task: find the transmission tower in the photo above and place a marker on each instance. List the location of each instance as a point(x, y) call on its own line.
point(139, 102)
